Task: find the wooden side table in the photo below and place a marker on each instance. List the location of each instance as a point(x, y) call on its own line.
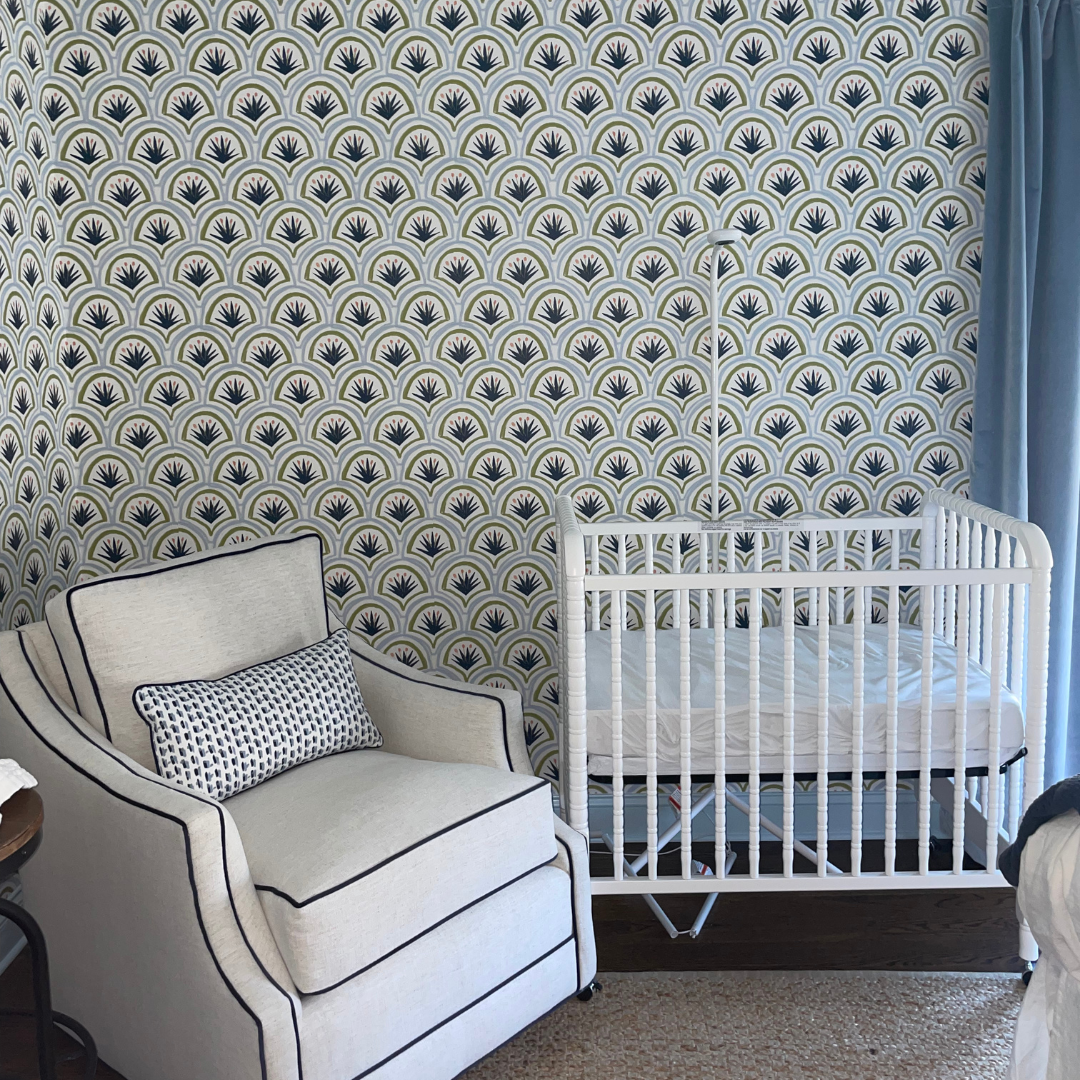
point(20, 835)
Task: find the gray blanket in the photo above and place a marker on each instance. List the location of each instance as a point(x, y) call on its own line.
point(1058, 799)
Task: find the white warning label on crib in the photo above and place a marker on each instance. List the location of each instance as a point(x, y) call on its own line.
point(752, 524)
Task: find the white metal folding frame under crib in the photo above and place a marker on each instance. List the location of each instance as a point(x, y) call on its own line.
point(709, 697)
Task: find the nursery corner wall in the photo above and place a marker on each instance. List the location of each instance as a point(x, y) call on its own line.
point(401, 272)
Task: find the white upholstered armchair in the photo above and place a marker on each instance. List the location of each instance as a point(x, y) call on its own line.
point(392, 913)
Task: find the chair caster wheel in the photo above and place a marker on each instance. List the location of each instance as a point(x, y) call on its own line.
point(587, 993)
point(1028, 969)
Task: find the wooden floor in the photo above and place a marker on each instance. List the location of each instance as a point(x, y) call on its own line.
point(939, 930)
point(917, 930)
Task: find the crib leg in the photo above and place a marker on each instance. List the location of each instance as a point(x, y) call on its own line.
point(1029, 948)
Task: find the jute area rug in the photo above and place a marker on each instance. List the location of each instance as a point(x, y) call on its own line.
point(772, 1026)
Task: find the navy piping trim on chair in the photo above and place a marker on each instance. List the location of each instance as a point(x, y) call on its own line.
point(168, 568)
point(434, 926)
point(71, 688)
point(206, 801)
point(465, 1008)
point(573, 906)
point(454, 690)
point(404, 851)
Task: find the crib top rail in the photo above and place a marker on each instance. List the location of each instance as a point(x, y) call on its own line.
point(1033, 549)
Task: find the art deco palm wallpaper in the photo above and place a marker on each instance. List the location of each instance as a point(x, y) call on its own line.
point(403, 271)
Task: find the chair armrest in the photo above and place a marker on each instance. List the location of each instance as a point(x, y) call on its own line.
point(573, 857)
point(424, 716)
point(157, 940)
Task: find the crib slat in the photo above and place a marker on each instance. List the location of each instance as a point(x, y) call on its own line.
point(788, 611)
point(676, 567)
point(787, 616)
point(989, 560)
point(684, 733)
point(1016, 684)
point(891, 711)
point(868, 564)
point(929, 557)
point(812, 564)
point(720, 731)
point(616, 629)
point(858, 661)
point(650, 713)
point(950, 563)
point(939, 564)
point(975, 613)
point(594, 603)
point(823, 734)
point(963, 640)
point(997, 663)
point(841, 566)
point(703, 568)
point(732, 567)
point(755, 726)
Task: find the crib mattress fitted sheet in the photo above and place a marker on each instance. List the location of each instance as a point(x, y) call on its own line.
point(841, 655)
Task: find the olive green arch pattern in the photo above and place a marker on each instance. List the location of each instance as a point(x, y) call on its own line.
point(402, 272)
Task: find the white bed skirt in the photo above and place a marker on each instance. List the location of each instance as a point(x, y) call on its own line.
point(702, 696)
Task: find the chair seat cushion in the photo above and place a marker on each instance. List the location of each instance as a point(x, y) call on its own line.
point(355, 856)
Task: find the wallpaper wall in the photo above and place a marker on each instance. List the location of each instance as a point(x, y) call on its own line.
point(402, 272)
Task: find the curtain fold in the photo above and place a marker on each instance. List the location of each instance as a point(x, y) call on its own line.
point(1026, 437)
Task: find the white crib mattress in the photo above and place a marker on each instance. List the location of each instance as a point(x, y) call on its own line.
point(909, 719)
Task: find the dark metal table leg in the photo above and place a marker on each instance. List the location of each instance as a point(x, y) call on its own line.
point(43, 1011)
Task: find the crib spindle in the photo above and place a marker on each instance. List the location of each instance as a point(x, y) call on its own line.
point(755, 723)
point(823, 734)
point(950, 563)
point(975, 612)
point(1016, 684)
point(676, 567)
point(929, 556)
point(811, 599)
point(787, 600)
point(650, 712)
point(732, 568)
point(594, 596)
point(868, 564)
point(891, 711)
point(703, 569)
point(858, 661)
point(720, 730)
point(617, 810)
point(685, 797)
point(963, 639)
point(939, 564)
point(993, 775)
point(989, 561)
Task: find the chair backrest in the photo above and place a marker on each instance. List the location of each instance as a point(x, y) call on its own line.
point(201, 617)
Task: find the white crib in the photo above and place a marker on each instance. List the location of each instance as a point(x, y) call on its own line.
point(705, 657)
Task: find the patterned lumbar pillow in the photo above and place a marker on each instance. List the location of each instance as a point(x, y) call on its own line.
point(224, 736)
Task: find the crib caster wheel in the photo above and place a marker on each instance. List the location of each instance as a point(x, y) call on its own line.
point(587, 993)
point(1029, 967)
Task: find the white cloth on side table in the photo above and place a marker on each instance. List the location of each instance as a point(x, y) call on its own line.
point(13, 778)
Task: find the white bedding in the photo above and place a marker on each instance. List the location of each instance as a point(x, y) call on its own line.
point(598, 697)
point(1047, 1043)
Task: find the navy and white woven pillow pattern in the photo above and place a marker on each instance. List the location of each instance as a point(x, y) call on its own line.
point(223, 736)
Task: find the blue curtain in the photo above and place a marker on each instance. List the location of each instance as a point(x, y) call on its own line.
point(1026, 454)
